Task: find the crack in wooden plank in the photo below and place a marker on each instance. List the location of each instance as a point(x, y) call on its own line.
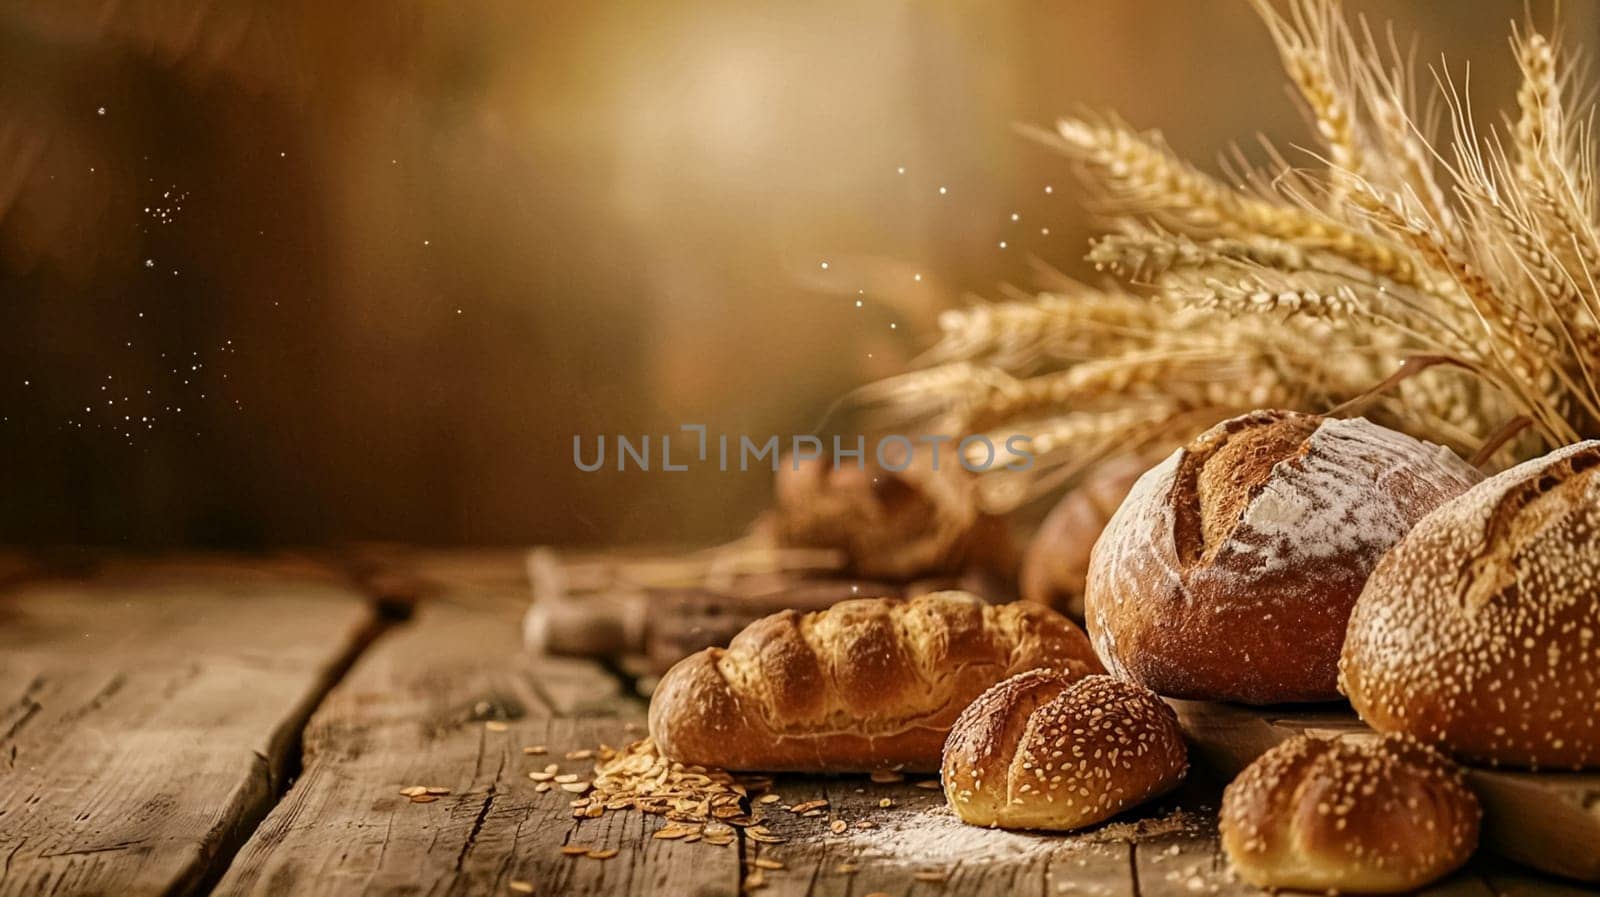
point(276, 773)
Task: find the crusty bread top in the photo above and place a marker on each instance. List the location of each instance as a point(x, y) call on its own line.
point(1481, 630)
point(877, 666)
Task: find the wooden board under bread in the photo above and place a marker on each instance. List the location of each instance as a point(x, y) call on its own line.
point(1548, 820)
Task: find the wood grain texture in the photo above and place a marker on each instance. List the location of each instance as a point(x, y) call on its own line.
point(149, 714)
point(1550, 821)
point(448, 700)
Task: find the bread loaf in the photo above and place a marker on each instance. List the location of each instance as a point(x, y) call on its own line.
point(1373, 816)
point(867, 684)
point(1055, 565)
point(1230, 570)
point(1480, 631)
point(1048, 751)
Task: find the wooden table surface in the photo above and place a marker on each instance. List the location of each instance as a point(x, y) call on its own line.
point(208, 725)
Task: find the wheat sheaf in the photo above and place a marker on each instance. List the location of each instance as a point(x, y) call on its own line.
point(1436, 277)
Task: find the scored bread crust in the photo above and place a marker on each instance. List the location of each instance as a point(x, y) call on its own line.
point(1051, 752)
point(872, 683)
point(1480, 631)
point(1369, 816)
point(1230, 570)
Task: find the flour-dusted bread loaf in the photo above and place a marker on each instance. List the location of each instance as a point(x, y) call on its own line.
point(1375, 816)
point(1230, 570)
point(1480, 631)
point(1047, 751)
point(873, 683)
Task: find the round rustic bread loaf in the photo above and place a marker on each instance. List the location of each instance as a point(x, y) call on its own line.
point(871, 683)
point(1043, 750)
point(1480, 631)
point(1055, 565)
point(1230, 570)
point(1370, 816)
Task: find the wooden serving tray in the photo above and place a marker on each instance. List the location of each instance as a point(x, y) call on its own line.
point(1547, 820)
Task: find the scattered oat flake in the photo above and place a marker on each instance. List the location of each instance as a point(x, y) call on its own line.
point(838, 825)
point(606, 854)
point(521, 887)
point(437, 790)
point(495, 725)
point(574, 850)
point(807, 806)
point(414, 791)
point(541, 776)
point(534, 749)
point(931, 875)
point(887, 776)
point(755, 881)
point(765, 863)
point(770, 798)
point(584, 754)
point(929, 784)
point(866, 824)
point(542, 787)
point(575, 787)
point(566, 777)
point(886, 802)
point(846, 868)
point(423, 799)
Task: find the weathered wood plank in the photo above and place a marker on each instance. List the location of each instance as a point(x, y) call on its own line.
point(148, 716)
point(448, 700)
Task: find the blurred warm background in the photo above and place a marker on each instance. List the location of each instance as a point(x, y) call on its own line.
point(301, 272)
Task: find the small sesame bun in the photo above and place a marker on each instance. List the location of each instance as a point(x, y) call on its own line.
point(1043, 750)
point(1480, 632)
point(1374, 816)
point(1229, 571)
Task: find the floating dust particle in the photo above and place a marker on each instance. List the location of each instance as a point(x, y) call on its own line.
point(766, 863)
point(887, 776)
point(535, 749)
point(929, 785)
point(521, 887)
point(495, 725)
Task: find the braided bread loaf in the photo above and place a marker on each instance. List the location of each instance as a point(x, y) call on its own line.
point(867, 684)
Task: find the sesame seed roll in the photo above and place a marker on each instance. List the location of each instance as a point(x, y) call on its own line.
point(1043, 750)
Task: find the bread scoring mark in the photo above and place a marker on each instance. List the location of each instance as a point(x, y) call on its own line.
point(1224, 470)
